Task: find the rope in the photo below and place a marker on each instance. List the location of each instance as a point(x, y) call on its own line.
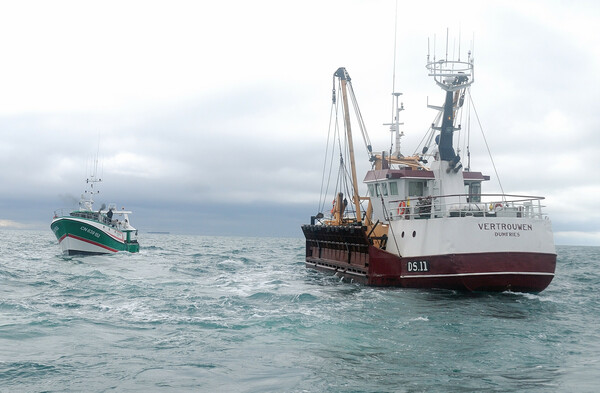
point(468, 136)
point(321, 196)
point(460, 134)
point(361, 123)
point(429, 135)
point(486, 144)
point(331, 155)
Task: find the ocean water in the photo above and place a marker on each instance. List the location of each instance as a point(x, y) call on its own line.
point(225, 314)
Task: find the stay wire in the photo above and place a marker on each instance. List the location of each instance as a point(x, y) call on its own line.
point(428, 135)
point(469, 136)
point(361, 123)
point(321, 196)
point(331, 155)
point(486, 144)
point(460, 133)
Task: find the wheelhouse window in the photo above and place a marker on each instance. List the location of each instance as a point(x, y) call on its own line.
point(384, 189)
point(415, 188)
point(393, 188)
point(371, 190)
point(475, 191)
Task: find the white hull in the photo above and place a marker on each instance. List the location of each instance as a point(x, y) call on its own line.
point(71, 245)
point(470, 235)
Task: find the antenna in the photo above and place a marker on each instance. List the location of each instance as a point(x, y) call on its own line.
point(428, 49)
point(395, 38)
point(394, 127)
point(459, 42)
point(447, 32)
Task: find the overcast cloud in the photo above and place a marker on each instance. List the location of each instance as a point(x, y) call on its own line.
point(212, 117)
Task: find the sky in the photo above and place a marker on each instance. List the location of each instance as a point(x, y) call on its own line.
point(212, 117)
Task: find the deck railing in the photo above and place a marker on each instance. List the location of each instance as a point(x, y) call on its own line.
point(62, 212)
point(90, 215)
point(466, 205)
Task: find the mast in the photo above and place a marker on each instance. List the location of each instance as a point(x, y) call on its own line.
point(395, 126)
point(447, 129)
point(453, 76)
point(87, 198)
point(344, 78)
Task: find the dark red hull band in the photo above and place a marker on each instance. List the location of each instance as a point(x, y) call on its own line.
point(347, 253)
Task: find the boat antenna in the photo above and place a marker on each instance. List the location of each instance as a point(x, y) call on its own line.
point(472, 51)
point(395, 38)
point(96, 158)
point(394, 76)
point(428, 50)
point(459, 42)
point(394, 124)
point(447, 32)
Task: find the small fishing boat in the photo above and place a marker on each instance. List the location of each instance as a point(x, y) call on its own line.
point(426, 223)
point(86, 231)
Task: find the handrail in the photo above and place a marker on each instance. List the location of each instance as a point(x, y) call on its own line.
point(89, 215)
point(505, 205)
point(527, 197)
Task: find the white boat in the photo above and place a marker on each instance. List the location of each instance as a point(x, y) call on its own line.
point(426, 223)
point(85, 231)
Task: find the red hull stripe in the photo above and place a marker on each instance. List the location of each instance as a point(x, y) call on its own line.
point(477, 274)
point(89, 241)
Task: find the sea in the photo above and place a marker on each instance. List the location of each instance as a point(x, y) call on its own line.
point(243, 314)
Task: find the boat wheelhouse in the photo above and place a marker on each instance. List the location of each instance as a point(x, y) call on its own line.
point(409, 193)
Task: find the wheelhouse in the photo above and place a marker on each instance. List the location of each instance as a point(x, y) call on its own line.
point(400, 191)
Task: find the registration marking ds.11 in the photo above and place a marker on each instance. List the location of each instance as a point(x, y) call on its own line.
point(417, 266)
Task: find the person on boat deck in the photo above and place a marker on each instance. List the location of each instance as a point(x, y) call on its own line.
point(110, 216)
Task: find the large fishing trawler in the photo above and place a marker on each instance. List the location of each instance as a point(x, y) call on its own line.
point(428, 226)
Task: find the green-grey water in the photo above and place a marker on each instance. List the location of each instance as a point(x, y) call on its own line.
point(192, 313)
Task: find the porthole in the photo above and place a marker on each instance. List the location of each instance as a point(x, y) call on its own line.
point(402, 234)
point(414, 233)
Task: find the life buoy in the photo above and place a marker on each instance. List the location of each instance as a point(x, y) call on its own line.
point(401, 208)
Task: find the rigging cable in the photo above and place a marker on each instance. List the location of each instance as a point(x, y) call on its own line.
point(429, 134)
point(460, 118)
point(321, 196)
point(335, 134)
point(468, 137)
point(344, 153)
point(340, 181)
point(486, 144)
point(361, 123)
